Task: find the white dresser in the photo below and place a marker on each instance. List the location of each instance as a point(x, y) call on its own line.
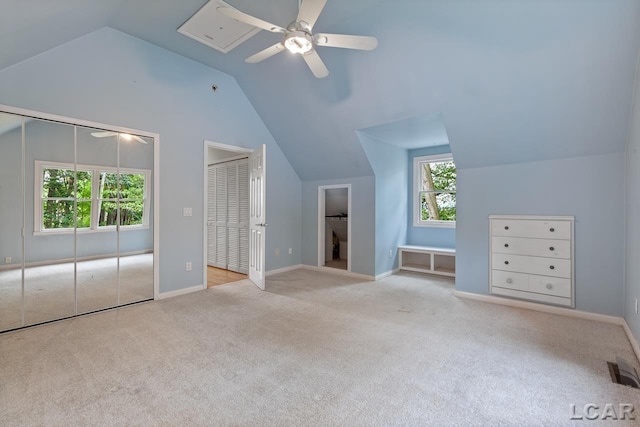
point(532, 257)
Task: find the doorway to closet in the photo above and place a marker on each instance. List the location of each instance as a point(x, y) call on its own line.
point(334, 227)
point(227, 216)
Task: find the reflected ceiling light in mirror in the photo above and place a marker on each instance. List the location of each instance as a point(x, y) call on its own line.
point(123, 136)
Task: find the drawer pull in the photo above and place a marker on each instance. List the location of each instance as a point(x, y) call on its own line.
point(509, 280)
point(506, 227)
point(552, 229)
point(549, 286)
point(552, 267)
point(506, 262)
point(506, 245)
point(552, 248)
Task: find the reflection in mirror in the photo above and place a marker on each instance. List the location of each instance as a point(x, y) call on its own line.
point(97, 237)
point(51, 188)
point(10, 221)
point(135, 187)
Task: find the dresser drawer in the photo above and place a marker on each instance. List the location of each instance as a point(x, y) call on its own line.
point(534, 247)
point(532, 265)
point(538, 229)
point(532, 283)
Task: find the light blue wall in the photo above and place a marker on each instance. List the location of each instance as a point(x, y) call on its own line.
point(426, 236)
point(590, 188)
point(389, 165)
point(632, 231)
point(109, 77)
point(362, 222)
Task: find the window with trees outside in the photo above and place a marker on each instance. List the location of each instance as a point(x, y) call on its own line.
point(434, 191)
point(88, 197)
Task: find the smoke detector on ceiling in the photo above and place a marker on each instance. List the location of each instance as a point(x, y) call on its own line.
point(215, 30)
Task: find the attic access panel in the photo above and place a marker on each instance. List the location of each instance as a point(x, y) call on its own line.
point(215, 30)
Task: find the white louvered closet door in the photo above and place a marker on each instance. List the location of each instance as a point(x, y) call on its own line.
point(243, 193)
point(211, 216)
point(228, 216)
point(221, 217)
point(233, 217)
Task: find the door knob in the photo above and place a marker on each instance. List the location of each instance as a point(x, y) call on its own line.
point(506, 262)
point(506, 245)
point(552, 248)
point(551, 267)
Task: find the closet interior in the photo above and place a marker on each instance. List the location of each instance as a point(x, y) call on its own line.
point(336, 228)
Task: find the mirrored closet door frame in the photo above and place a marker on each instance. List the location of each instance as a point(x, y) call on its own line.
point(25, 116)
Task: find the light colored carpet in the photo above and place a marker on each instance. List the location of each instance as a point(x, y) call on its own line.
point(49, 289)
point(315, 349)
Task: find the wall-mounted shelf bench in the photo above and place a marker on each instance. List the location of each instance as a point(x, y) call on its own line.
point(427, 259)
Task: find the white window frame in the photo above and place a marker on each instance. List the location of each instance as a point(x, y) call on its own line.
point(38, 220)
point(417, 175)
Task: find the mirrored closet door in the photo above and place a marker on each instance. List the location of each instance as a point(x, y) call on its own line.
point(76, 220)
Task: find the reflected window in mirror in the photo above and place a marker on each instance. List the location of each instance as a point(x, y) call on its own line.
point(98, 194)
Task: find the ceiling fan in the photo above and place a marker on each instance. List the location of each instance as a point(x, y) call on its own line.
point(299, 38)
point(124, 136)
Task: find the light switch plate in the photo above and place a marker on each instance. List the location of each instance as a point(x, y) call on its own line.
point(187, 212)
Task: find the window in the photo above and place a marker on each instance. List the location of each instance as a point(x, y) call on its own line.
point(434, 191)
point(95, 193)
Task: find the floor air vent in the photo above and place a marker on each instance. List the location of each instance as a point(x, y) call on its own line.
point(623, 373)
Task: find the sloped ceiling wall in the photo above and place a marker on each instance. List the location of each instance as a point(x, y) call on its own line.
point(515, 81)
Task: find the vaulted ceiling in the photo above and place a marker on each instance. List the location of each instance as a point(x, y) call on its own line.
point(515, 81)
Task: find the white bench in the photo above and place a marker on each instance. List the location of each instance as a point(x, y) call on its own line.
point(427, 259)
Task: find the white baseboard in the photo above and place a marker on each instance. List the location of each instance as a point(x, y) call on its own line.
point(387, 274)
point(339, 272)
point(568, 312)
point(632, 339)
point(178, 292)
point(283, 270)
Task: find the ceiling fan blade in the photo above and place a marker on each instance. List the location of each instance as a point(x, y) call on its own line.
point(310, 10)
point(250, 20)
point(140, 140)
point(346, 42)
point(315, 63)
point(264, 54)
point(103, 134)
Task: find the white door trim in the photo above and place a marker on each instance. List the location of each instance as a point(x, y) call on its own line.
point(220, 146)
point(321, 222)
point(156, 170)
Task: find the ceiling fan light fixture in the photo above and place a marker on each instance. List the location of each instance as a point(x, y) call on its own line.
point(298, 42)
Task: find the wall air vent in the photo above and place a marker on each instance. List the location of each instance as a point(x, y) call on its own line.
point(215, 30)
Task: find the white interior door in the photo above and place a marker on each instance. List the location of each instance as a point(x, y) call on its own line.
point(257, 217)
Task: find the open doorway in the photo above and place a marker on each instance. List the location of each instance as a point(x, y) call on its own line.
point(226, 214)
point(334, 227)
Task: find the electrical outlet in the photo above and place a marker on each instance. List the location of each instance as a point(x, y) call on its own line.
point(7, 260)
point(390, 253)
point(290, 251)
point(187, 212)
point(188, 266)
point(277, 251)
